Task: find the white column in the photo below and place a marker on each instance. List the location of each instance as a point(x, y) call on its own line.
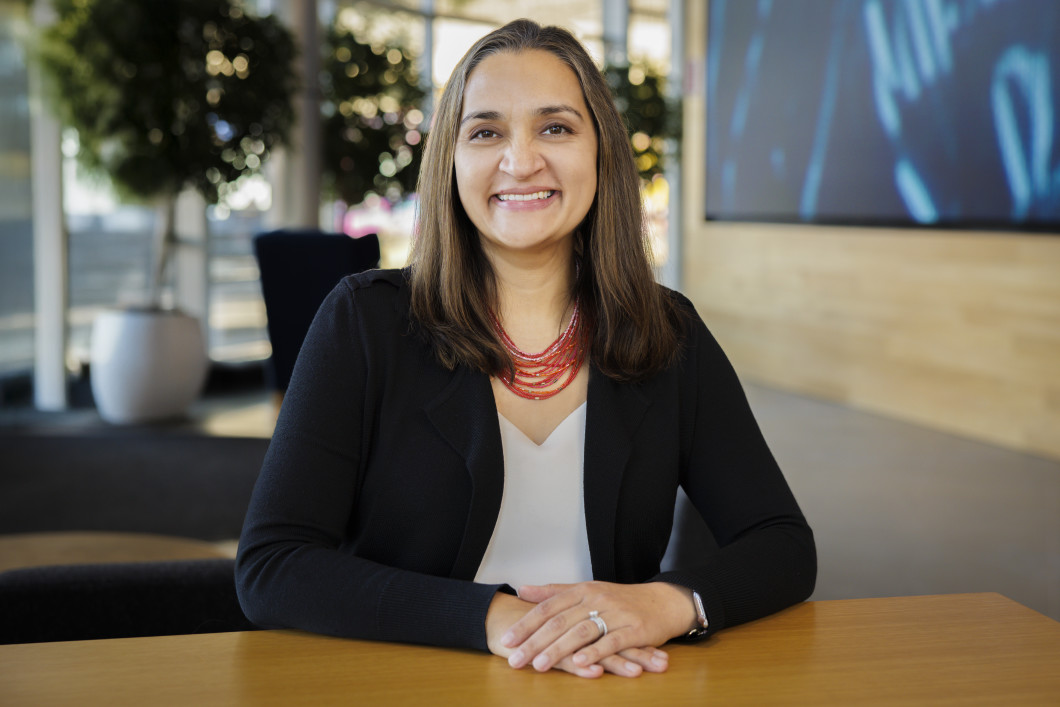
point(276, 170)
point(670, 273)
point(50, 243)
point(616, 31)
point(426, 61)
point(301, 161)
point(191, 259)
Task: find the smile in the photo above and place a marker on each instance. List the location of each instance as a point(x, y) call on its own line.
point(526, 197)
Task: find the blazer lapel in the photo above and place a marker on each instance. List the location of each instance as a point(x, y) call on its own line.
point(465, 414)
point(613, 414)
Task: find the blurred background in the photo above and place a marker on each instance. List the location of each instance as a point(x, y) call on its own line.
point(109, 239)
point(861, 197)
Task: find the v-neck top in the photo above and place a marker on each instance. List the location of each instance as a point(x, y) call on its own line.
point(540, 534)
point(384, 477)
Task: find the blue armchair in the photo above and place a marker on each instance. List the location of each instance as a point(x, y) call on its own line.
point(119, 600)
point(298, 270)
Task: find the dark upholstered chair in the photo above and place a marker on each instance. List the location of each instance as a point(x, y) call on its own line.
point(298, 270)
point(124, 600)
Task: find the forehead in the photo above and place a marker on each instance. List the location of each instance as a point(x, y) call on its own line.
point(533, 75)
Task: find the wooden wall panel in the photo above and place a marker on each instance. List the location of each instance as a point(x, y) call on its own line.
point(958, 331)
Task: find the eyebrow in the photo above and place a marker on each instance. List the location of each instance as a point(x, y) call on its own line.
point(543, 110)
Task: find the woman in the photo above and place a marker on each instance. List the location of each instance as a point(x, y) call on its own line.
point(424, 463)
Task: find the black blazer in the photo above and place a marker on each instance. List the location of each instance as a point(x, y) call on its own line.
point(383, 481)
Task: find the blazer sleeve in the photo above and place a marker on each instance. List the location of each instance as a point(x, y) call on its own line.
point(767, 559)
point(295, 568)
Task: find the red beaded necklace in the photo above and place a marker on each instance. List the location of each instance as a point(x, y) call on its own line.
point(535, 373)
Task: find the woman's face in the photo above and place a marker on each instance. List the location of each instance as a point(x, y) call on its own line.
point(525, 152)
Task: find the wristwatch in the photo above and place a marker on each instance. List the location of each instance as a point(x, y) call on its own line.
point(701, 617)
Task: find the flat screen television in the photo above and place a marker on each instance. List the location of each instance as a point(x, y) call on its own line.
point(885, 112)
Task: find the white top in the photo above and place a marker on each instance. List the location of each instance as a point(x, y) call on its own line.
point(540, 534)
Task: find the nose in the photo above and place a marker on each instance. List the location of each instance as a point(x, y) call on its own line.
point(522, 158)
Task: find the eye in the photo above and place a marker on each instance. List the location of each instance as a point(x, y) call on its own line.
point(483, 134)
point(557, 129)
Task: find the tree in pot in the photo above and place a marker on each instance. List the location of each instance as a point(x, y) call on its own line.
point(654, 125)
point(164, 96)
point(372, 123)
point(651, 118)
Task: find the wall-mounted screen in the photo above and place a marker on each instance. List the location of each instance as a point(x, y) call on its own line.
point(885, 112)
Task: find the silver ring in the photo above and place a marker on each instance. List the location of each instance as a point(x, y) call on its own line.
point(594, 616)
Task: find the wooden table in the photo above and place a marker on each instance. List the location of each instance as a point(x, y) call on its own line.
point(964, 648)
point(81, 547)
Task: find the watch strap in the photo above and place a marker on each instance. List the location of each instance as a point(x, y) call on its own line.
point(701, 617)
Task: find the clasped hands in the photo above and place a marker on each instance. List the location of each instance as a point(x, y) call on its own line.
point(548, 626)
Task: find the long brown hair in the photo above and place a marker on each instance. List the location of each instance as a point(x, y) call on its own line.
point(632, 327)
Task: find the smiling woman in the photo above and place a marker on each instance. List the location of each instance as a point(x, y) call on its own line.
point(526, 154)
point(517, 409)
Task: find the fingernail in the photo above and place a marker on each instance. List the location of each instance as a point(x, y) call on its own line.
point(581, 659)
point(515, 659)
point(541, 662)
point(659, 662)
point(632, 667)
point(661, 655)
point(508, 640)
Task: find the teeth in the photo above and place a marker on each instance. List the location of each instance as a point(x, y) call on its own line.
point(526, 197)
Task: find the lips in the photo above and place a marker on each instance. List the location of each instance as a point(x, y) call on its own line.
point(532, 196)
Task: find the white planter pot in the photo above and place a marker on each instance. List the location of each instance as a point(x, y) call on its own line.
point(146, 365)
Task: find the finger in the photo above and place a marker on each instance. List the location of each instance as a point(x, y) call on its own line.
point(588, 671)
point(648, 657)
point(549, 619)
point(540, 592)
point(620, 666)
point(612, 664)
point(529, 643)
point(651, 659)
point(581, 634)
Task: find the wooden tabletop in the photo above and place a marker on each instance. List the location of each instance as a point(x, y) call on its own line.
point(964, 648)
point(80, 547)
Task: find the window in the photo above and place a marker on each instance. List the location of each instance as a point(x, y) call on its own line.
point(16, 225)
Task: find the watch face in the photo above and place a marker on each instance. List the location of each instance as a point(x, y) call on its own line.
point(701, 614)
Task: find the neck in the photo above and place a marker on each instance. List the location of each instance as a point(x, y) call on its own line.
point(533, 297)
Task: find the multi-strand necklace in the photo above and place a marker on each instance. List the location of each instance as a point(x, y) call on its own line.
point(535, 374)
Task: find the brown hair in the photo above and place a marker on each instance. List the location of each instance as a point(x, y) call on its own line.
point(631, 327)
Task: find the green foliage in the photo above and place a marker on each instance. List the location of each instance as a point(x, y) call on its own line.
point(651, 118)
point(170, 94)
point(372, 127)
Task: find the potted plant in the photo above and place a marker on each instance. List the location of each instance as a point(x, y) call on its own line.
point(372, 125)
point(654, 126)
point(651, 118)
point(164, 96)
